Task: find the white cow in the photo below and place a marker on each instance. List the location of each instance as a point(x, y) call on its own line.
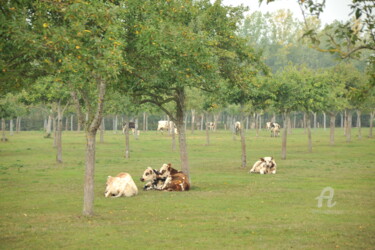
point(121, 185)
point(166, 125)
point(237, 127)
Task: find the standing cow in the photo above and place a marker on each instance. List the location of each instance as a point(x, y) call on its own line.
point(166, 125)
point(237, 127)
point(275, 129)
point(131, 126)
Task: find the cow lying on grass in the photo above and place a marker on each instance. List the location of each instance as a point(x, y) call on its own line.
point(121, 185)
point(152, 179)
point(265, 165)
point(167, 178)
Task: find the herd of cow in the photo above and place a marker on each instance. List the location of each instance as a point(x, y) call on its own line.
point(168, 179)
point(170, 126)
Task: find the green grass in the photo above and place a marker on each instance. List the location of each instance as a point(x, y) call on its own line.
point(227, 208)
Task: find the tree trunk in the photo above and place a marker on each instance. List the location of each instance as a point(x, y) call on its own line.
point(66, 124)
point(285, 134)
point(49, 126)
point(324, 120)
point(11, 127)
point(349, 126)
point(202, 120)
point(216, 119)
point(192, 121)
point(207, 135)
point(173, 138)
point(332, 127)
point(71, 122)
point(308, 122)
point(88, 197)
point(144, 121)
point(371, 122)
point(341, 120)
point(59, 133)
point(127, 140)
point(136, 129)
point(55, 124)
point(243, 145)
point(315, 120)
point(180, 114)
point(290, 125)
point(359, 124)
point(102, 131)
point(345, 122)
point(304, 123)
point(18, 124)
point(3, 129)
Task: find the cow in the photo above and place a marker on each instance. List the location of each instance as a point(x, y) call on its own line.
point(264, 165)
point(152, 179)
point(210, 125)
point(131, 126)
point(166, 125)
point(120, 185)
point(275, 129)
point(237, 127)
point(175, 180)
point(268, 125)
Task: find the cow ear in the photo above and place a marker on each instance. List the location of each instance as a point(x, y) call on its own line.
point(271, 158)
point(169, 165)
point(262, 159)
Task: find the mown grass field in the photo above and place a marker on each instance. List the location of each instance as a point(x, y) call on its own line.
point(227, 208)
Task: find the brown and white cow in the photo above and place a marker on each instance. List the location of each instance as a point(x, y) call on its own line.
point(175, 180)
point(265, 165)
point(275, 129)
point(120, 185)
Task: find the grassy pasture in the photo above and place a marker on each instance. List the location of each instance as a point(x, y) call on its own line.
point(227, 208)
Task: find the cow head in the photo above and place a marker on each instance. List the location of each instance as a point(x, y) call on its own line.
point(167, 170)
point(108, 184)
point(269, 164)
point(149, 174)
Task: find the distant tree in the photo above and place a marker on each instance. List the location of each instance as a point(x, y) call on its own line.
point(52, 93)
point(286, 90)
point(345, 39)
point(8, 109)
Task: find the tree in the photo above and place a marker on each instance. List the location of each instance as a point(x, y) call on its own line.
point(313, 92)
point(176, 42)
point(80, 44)
point(345, 39)
point(286, 91)
point(8, 109)
point(51, 93)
